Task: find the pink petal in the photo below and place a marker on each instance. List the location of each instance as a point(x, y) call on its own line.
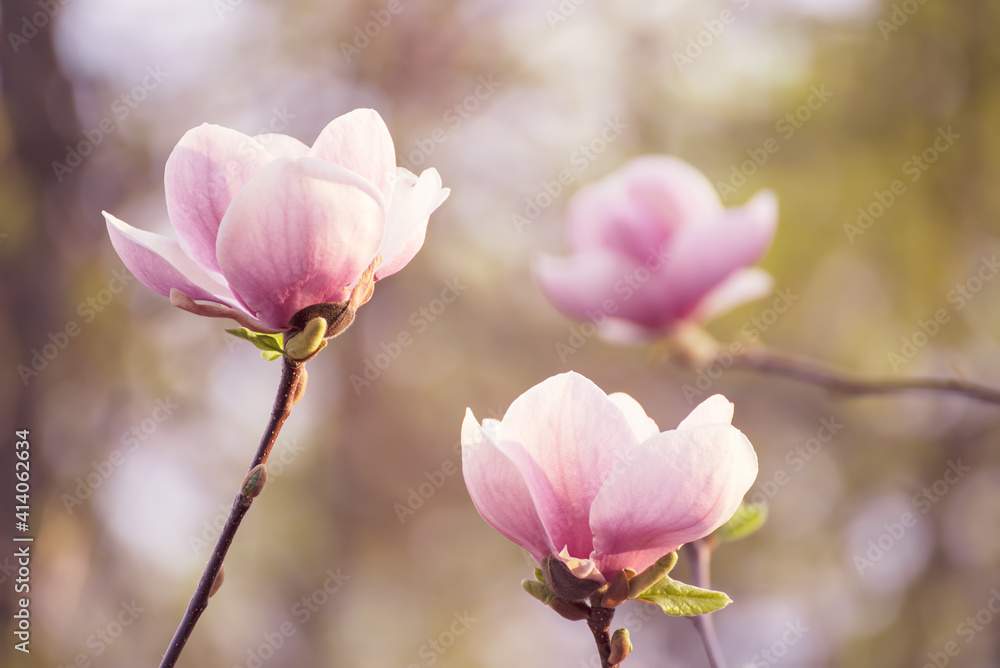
point(160, 264)
point(637, 209)
point(499, 492)
point(300, 233)
point(360, 141)
point(679, 486)
point(714, 410)
point(585, 286)
point(704, 256)
point(282, 146)
point(643, 426)
point(209, 165)
point(412, 203)
point(745, 285)
point(565, 436)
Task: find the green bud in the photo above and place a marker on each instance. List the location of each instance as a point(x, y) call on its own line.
point(652, 575)
point(538, 590)
point(309, 341)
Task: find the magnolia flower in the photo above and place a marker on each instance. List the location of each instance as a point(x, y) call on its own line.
point(573, 472)
point(653, 247)
point(267, 226)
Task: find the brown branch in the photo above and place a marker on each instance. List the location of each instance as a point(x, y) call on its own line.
point(804, 370)
point(291, 375)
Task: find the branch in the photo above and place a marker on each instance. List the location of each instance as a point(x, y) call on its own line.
point(291, 376)
point(804, 370)
point(701, 556)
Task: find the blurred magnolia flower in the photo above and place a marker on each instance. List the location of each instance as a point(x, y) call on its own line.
point(653, 247)
point(267, 226)
point(573, 472)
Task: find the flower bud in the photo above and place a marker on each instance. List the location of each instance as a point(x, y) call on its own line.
point(309, 341)
point(253, 484)
point(217, 582)
point(538, 590)
point(652, 575)
point(299, 390)
point(621, 647)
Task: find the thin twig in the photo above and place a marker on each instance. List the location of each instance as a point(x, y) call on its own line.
point(291, 372)
point(836, 380)
point(701, 557)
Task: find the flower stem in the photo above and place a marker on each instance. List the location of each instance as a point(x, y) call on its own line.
point(291, 373)
point(599, 622)
point(815, 373)
point(701, 557)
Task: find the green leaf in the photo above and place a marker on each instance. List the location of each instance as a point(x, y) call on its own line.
point(269, 343)
point(679, 599)
point(748, 518)
point(539, 576)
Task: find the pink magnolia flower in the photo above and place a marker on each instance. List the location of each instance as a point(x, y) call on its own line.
point(574, 472)
point(652, 246)
point(267, 226)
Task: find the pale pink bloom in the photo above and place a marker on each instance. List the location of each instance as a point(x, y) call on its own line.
point(652, 247)
point(267, 225)
point(574, 472)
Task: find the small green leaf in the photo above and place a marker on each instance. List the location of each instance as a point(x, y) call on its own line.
point(269, 343)
point(677, 598)
point(748, 518)
point(539, 576)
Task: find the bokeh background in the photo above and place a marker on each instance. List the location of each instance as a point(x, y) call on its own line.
point(365, 549)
